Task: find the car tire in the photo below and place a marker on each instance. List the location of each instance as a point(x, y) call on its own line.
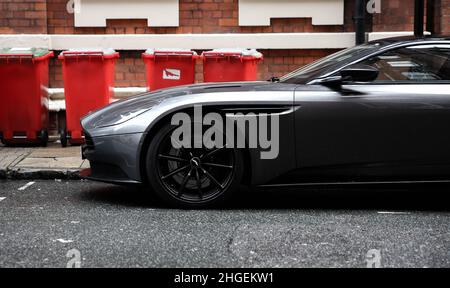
point(219, 180)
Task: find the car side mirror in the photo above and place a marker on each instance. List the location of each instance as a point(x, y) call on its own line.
point(359, 73)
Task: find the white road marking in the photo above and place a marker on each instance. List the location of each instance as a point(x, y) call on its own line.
point(2, 198)
point(26, 186)
point(392, 212)
point(64, 241)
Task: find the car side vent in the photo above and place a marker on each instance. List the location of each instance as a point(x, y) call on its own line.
point(258, 109)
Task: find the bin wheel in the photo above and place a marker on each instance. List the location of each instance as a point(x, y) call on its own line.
point(43, 136)
point(63, 137)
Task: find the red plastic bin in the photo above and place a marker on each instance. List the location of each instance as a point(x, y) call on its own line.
point(169, 67)
point(24, 96)
point(88, 85)
point(227, 65)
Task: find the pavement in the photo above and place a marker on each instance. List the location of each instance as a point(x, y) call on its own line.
point(41, 163)
point(48, 223)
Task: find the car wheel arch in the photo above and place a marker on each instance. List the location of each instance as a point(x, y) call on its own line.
point(155, 127)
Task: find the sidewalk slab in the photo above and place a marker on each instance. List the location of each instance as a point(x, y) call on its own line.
point(56, 152)
point(9, 156)
point(52, 162)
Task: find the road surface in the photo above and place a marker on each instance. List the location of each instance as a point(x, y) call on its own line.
point(87, 224)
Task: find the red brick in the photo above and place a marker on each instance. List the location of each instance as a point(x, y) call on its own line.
point(228, 22)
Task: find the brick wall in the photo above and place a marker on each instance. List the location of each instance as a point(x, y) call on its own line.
point(396, 15)
point(23, 16)
point(196, 16)
point(199, 16)
point(444, 17)
point(130, 69)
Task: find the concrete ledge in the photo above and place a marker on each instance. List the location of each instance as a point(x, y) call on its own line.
point(25, 40)
point(207, 41)
point(336, 40)
point(373, 36)
point(119, 92)
point(57, 102)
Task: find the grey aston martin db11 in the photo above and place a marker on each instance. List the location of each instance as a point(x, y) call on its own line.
point(375, 113)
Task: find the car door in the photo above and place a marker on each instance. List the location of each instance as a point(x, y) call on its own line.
point(394, 128)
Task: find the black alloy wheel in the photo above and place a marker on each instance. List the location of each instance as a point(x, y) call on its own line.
point(192, 177)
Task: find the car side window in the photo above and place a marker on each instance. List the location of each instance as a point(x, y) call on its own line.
point(413, 64)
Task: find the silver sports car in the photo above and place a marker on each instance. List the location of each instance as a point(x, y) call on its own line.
point(375, 113)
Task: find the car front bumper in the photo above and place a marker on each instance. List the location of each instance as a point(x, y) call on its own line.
point(113, 158)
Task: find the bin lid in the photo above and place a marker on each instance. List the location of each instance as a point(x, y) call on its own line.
point(88, 52)
point(31, 52)
point(234, 52)
point(170, 51)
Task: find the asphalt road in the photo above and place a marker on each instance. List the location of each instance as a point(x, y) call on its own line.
point(113, 226)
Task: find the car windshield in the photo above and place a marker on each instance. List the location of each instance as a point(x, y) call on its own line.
point(311, 71)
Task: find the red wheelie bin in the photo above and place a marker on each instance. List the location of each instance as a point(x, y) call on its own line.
point(88, 85)
point(169, 67)
point(227, 65)
point(24, 96)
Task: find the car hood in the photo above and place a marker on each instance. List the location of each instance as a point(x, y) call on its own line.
point(200, 89)
point(218, 87)
point(153, 98)
point(148, 100)
point(120, 111)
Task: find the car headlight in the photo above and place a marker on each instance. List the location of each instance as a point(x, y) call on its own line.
point(125, 110)
point(122, 112)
